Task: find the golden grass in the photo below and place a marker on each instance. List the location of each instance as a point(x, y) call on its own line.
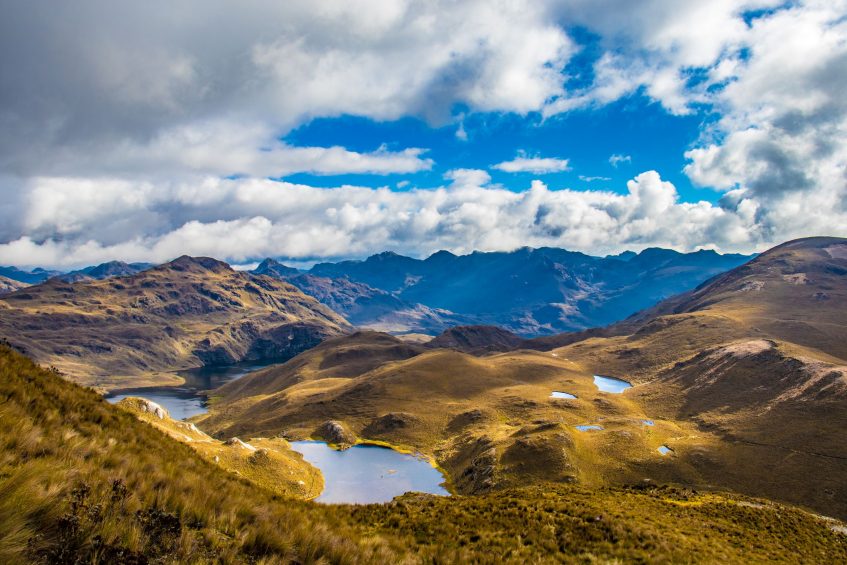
point(85, 481)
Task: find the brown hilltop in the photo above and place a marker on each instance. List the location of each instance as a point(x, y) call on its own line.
point(190, 312)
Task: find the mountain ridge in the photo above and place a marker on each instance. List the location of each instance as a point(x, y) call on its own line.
point(136, 330)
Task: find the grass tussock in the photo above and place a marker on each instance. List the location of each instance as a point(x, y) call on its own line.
point(84, 482)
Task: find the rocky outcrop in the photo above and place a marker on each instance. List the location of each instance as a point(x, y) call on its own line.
point(472, 464)
point(336, 433)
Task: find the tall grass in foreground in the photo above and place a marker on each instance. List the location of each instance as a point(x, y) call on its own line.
point(81, 481)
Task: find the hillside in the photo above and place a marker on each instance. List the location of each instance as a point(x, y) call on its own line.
point(34, 276)
point(269, 463)
point(534, 292)
point(8, 285)
point(756, 358)
point(136, 330)
point(85, 481)
point(741, 377)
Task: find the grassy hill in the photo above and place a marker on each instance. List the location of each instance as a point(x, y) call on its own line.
point(267, 462)
point(84, 481)
point(136, 330)
point(743, 378)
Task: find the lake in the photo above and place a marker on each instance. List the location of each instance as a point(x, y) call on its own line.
point(611, 384)
point(188, 399)
point(557, 394)
point(365, 474)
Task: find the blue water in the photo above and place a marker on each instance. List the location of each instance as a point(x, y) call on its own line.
point(180, 403)
point(557, 394)
point(610, 384)
point(664, 449)
point(648, 422)
point(365, 474)
point(588, 428)
point(188, 399)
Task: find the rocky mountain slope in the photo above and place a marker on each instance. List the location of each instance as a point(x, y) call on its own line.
point(534, 291)
point(364, 305)
point(136, 330)
point(10, 285)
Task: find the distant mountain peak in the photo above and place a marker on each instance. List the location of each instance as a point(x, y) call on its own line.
point(188, 263)
point(273, 268)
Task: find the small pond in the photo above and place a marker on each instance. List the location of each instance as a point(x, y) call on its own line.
point(588, 427)
point(664, 449)
point(557, 394)
point(648, 422)
point(611, 384)
point(188, 399)
point(365, 474)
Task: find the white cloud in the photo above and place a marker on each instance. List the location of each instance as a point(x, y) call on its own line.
point(585, 178)
point(117, 121)
point(617, 159)
point(242, 220)
point(538, 165)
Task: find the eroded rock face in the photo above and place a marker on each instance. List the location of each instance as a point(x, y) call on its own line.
point(473, 464)
point(335, 432)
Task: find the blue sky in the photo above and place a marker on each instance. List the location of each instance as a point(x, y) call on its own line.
point(142, 132)
point(635, 127)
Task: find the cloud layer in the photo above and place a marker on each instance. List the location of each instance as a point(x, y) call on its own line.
point(144, 131)
point(243, 219)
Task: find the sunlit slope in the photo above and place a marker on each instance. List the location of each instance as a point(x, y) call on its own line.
point(135, 330)
point(489, 421)
point(733, 382)
point(267, 462)
point(756, 360)
point(84, 481)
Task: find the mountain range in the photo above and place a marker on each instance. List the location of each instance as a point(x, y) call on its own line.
point(727, 446)
point(134, 330)
point(743, 380)
point(530, 292)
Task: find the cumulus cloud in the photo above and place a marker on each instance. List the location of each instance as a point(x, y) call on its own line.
point(538, 165)
point(87, 75)
point(118, 122)
point(245, 219)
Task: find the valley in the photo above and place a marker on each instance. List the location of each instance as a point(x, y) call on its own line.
point(732, 390)
point(725, 373)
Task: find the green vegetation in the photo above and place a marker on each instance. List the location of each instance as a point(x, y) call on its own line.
point(267, 462)
point(82, 481)
point(646, 524)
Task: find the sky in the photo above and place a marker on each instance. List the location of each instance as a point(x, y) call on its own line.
point(327, 130)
